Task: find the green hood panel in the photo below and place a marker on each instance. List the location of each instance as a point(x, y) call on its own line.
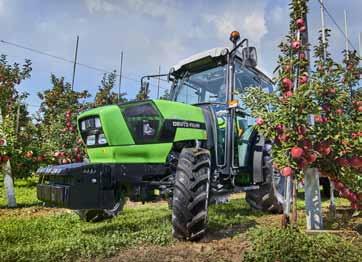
point(113, 124)
point(180, 111)
point(131, 154)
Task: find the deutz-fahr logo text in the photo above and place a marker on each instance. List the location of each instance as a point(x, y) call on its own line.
point(184, 124)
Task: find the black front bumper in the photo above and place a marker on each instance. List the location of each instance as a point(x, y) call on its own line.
point(92, 186)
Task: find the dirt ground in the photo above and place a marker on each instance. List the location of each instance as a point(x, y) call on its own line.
point(228, 244)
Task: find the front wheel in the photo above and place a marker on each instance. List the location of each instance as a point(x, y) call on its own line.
point(190, 194)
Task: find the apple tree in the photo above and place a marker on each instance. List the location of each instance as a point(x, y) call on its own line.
point(59, 142)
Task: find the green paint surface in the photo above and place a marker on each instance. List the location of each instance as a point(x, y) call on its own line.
point(149, 153)
point(183, 134)
point(181, 111)
point(113, 124)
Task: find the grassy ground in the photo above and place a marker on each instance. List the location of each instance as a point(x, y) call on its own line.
point(143, 233)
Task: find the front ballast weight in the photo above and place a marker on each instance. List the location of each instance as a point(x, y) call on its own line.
point(84, 186)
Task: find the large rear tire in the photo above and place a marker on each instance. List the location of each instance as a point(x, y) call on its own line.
point(264, 198)
point(97, 215)
point(191, 194)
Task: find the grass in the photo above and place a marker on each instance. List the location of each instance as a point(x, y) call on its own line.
point(35, 233)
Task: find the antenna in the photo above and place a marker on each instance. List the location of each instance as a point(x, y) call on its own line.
point(346, 33)
point(75, 61)
point(120, 77)
point(323, 31)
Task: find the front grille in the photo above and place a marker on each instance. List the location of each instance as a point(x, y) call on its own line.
point(144, 122)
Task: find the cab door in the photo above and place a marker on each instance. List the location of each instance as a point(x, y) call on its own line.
point(243, 142)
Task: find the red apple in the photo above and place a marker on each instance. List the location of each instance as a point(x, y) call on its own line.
point(288, 94)
point(355, 162)
point(259, 121)
point(352, 197)
point(280, 128)
point(301, 130)
point(345, 192)
point(318, 119)
point(332, 90)
point(327, 150)
point(287, 171)
point(287, 83)
point(306, 144)
point(359, 109)
point(300, 22)
point(338, 185)
point(29, 154)
point(5, 158)
point(303, 79)
point(296, 44)
point(342, 161)
point(297, 152)
point(324, 149)
point(302, 163)
point(311, 157)
point(283, 137)
point(326, 107)
point(339, 111)
point(56, 154)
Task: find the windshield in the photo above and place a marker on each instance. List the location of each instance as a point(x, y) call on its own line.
point(206, 86)
point(209, 85)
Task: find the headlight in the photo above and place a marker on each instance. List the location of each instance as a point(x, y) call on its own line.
point(91, 140)
point(82, 126)
point(97, 123)
point(102, 140)
point(90, 123)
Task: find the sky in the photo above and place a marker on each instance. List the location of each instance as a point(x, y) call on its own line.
point(151, 33)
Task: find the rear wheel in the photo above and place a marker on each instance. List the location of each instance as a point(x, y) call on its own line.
point(97, 215)
point(190, 194)
point(264, 198)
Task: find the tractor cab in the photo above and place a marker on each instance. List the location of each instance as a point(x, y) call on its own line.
point(215, 80)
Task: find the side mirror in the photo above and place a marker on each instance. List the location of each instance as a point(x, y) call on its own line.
point(249, 56)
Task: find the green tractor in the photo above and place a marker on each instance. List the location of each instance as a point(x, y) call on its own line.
point(193, 150)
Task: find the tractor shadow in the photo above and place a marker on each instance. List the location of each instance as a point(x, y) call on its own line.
point(20, 206)
point(225, 221)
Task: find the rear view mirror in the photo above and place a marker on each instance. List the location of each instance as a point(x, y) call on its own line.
point(249, 56)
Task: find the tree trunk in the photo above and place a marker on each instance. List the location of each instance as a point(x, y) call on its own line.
point(9, 184)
